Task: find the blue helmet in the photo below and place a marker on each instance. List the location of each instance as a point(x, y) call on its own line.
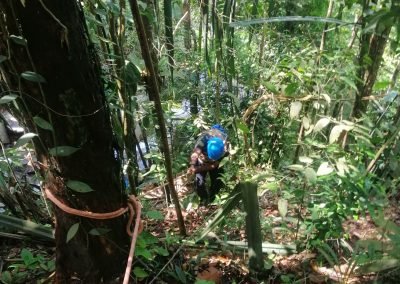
point(215, 148)
point(219, 127)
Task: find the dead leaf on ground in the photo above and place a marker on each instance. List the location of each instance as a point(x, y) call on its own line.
point(211, 273)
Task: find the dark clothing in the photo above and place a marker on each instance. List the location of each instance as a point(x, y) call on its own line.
point(203, 165)
point(208, 195)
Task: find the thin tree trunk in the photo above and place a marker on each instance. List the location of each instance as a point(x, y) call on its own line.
point(194, 109)
point(323, 37)
point(153, 87)
point(371, 47)
point(206, 29)
point(187, 24)
point(72, 99)
point(169, 36)
point(105, 48)
point(218, 38)
point(253, 225)
point(395, 75)
point(354, 31)
point(253, 28)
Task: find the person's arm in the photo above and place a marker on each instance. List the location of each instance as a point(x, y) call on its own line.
point(206, 167)
point(196, 168)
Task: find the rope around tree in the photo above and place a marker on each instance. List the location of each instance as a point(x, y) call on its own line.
point(133, 205)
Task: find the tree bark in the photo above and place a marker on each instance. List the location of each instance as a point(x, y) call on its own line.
point(72, 100)
point(169, 37)
point(253, 225)
point(155, 93)
point(187, 23)
point(323, 37)
point(372, 47)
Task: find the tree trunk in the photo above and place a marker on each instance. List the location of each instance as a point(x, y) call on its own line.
point(187, 23)
point(169, 36)
point(155, 93)
point(72, 100)
point(372, 47)
point(323, 37)
point(253, 225)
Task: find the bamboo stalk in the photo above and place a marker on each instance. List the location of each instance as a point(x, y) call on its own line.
point(154, 89)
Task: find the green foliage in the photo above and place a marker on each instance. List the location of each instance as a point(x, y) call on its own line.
point(299, 142)
point(30, 266)
point(63, 151)
point(72, 232)
point(34, 229)
point(78, 186)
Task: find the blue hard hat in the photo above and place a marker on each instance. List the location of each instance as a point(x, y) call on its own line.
point(215, 148)
point(219, 127)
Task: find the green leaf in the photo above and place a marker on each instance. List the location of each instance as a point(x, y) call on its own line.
point(295, 108)
point(33, 77)
point(161, 251)
point(99, 231)
point(18, 40)
point(271, 87)
point(149, 238)
point(235, 99)
point(295, 167)
point(282, 207)
point(25, 139)
point(6, 277)
point(3, 58)
point(291, 89)
point(7, 98)
point(156, 215)
point(311, 175)
point(381, 85)
point(181, 275)
point(139, 272)
point(144, 252)
point(349, 82)
point(27, 256)
point(79, 186)
point(223, 162)
point(242, 126)
point(152, 169)
point(62, 151)
point(42, 123)
point(132, 73)
point(329, 255)
point(72, 232)
point(322, 123)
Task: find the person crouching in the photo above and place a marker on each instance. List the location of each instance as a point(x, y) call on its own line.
point(209, 150)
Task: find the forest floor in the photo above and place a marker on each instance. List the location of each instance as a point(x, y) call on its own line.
point(209, 260)
point(227, 265)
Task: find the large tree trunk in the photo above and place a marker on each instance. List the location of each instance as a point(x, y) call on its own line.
point(72, 100)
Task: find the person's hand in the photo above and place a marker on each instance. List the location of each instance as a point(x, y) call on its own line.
point(191, 170)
